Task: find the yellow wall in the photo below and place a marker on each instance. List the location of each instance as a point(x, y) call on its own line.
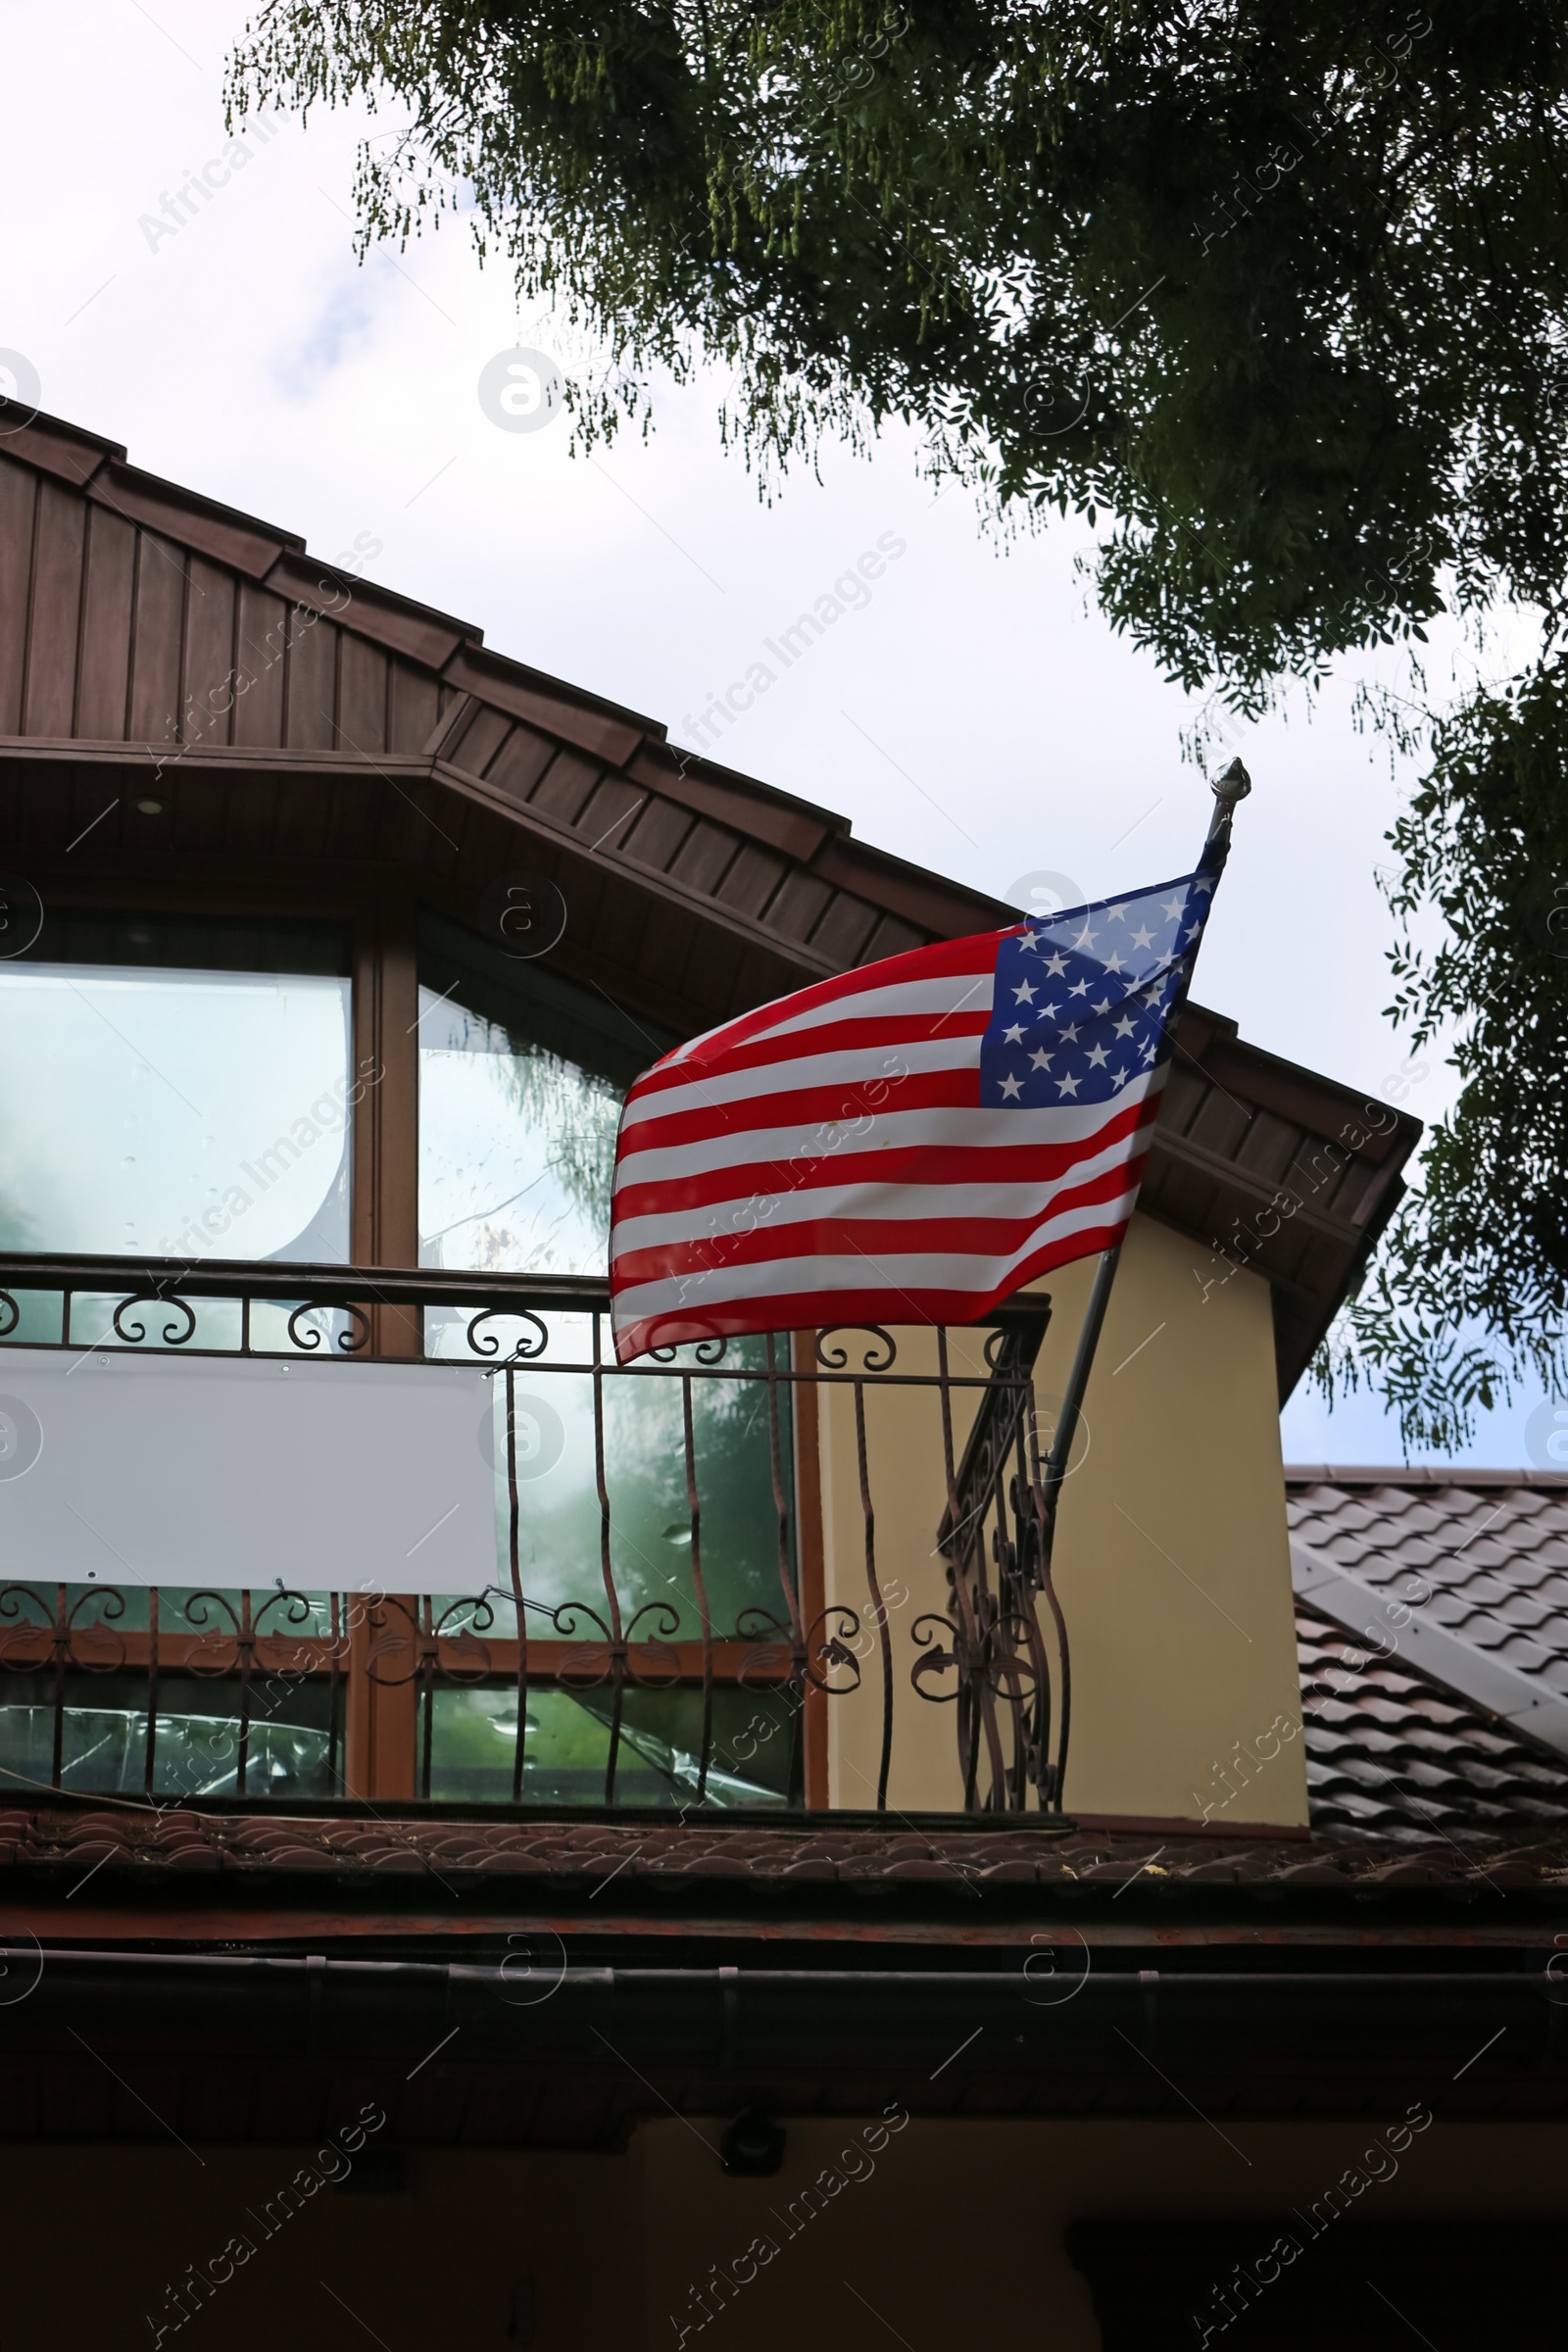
point(1172, 1562)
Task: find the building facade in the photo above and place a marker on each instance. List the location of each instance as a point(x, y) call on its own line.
point(466, 1802)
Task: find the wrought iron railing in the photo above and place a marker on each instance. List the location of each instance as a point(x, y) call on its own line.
point(565, 1678)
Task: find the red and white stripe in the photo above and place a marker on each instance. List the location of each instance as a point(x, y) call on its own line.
point(825, 1159)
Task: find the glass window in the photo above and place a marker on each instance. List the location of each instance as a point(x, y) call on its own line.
point(104, 1739)
point(645, 1482)
point(521, 1075)
point(566, 1747)
point(176, 1089)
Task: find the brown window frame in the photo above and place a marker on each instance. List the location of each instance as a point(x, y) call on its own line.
point(382, 1727)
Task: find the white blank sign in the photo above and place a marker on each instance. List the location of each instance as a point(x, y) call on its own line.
point(241, 1471)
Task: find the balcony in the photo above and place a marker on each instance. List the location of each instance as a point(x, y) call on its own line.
point(311, 1538)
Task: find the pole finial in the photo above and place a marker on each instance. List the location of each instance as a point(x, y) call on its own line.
point(1233, 786)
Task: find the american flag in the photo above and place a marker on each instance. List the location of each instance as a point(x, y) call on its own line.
point(908, 1143)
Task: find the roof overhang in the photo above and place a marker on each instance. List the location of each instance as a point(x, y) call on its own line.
point(377, 742)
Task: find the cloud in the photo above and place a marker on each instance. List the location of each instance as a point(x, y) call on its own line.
point(340, 331)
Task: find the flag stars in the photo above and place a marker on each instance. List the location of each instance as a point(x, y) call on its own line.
point(1081, 1022)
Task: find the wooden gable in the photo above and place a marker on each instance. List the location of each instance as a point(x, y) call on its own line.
point(190, 701)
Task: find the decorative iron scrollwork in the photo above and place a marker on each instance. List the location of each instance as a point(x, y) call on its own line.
point(827, 1646)
point(999, 1654)
point(710, 1350)
point(994, 1539)
point(468, 1657)
point(111, 1657)
point(278, 1650)
point(527, 1347)
point(135, 1335)
point(835, 1359)
point(923, 1632)
point(351, 1341)
point(653, 1664)
point(757, 1624)
point(589, 1663)
point(16, 1630)
point(207, 1655)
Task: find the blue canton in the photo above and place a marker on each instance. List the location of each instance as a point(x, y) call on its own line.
point(1082, 998)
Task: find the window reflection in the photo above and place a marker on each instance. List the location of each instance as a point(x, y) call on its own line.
point(566, 1747)
point(645, 1480)
point(521, 1075)
point(176, 1089)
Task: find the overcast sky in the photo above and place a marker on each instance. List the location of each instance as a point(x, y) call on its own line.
point(975, 715)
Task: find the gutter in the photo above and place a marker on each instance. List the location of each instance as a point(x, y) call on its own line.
point(853, 2031)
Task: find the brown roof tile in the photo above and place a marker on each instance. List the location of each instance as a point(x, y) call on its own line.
point(1392, 1755)
point(1494, 1552)
point(1523, 1842)
point(1396, 1747)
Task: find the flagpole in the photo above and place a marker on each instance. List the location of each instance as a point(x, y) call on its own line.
point(1229, 789)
